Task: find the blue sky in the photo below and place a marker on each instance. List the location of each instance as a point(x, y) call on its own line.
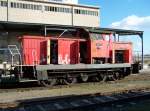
point(127, 14)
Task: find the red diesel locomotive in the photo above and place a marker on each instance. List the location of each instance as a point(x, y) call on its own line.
point(75, 54)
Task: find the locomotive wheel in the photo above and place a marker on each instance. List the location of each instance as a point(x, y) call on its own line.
point(96, 79)
point(0, 78)
point(49, 82)
point(101, 76)
point(84, 77)
point(104, 77)
point(1, 72)
point(116, 76)
point(69, 80)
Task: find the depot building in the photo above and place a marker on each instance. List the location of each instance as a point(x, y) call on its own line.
point(48, 12)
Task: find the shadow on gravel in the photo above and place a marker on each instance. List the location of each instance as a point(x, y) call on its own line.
point(19, 85)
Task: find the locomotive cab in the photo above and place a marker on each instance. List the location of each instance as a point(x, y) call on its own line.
point(100, 48)
point(122, 52)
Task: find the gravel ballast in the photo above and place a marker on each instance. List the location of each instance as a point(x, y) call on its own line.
point(137, 81)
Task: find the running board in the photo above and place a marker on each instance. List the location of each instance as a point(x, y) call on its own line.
point(82, 66)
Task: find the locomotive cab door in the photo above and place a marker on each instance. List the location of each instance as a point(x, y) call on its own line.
point(68, 51)
point(119, 56)
point(74, 53)
point(54, 51)
point(83, 52)
point(122, 56)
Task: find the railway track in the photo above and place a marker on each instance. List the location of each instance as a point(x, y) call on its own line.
point(33, 91)
point(75, 102)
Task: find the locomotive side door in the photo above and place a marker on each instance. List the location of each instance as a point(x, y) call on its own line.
point(52, 51)
point(83, 52)
point(74, 53)
point(68, 52)
point(43, 52)
point(48, 52)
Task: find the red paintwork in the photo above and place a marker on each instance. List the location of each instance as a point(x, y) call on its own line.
point(103, 49)
point(100, 48)
point(35, 49)
point(68, 51)
point(127, 48)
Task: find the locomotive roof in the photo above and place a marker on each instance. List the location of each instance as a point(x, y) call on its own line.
point(116, 31)
point(100, 30)
point(32, 27)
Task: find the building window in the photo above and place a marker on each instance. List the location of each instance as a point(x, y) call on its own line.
point(57, 9)
point(86, 12)
point(3, 3)
point(25, 6)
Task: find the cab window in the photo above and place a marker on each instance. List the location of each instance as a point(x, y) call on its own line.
point(96, 36)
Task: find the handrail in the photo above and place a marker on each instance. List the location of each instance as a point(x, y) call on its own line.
point(13, 49)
